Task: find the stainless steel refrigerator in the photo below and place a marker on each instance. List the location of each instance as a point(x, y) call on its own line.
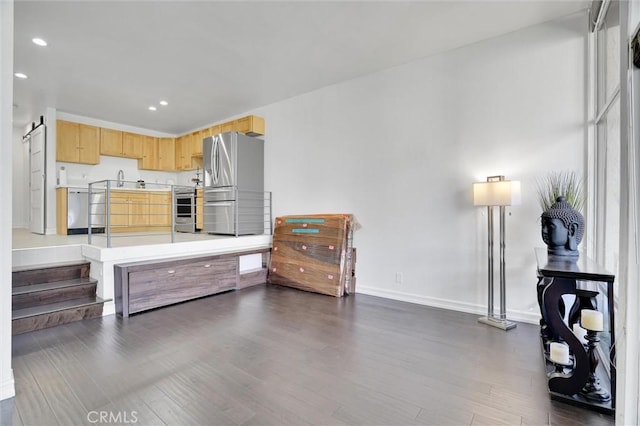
point(233, 184)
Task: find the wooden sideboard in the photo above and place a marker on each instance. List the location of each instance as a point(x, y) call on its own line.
point(141, 286)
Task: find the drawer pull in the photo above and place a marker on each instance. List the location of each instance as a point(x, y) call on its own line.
point(208, 265)
point(171, 271)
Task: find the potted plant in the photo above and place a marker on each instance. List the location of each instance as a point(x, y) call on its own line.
point(567, 184)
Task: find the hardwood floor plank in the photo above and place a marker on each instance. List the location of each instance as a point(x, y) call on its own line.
point(445, 416)
point(33, 407)
point(66, 407)
point(273, 355)
point(9, 413)
point(130, 408)
point(482, 420)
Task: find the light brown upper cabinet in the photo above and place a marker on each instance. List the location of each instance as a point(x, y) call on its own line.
point(196, 142)
point(150, 154)
point(251, 125)
point(110, 142)
point(132, 145)
point(226, 127)
point(184, 152)
point(77, 143)
point(120, 144)
point(166, 154)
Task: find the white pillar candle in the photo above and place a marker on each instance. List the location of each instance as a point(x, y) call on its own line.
point(559, 353)
point(591, 320)
point(580, 333)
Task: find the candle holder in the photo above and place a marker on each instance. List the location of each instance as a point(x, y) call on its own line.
point(592, 389)
point(559, 366)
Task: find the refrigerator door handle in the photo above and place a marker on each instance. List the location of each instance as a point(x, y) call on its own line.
point(218, 204)
point(214, 161)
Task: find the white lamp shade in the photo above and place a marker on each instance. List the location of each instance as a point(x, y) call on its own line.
point(498, 193)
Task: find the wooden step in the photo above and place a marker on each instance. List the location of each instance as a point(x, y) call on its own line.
point(46, 273)
point(25, 296)
point(44, 316)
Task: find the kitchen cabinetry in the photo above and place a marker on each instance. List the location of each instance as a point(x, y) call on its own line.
point(199, 208)
point(138, 209)
point(119, 211)
point(111, 142)
point(196, 142)
point(227, 127)
point(166, 154)
point(129, 211)
point(150, 154)
point(184, 152)
point(120, 144)
point(77, 143)
point(80, 143)
point(62, 211)
point(132, 145)
point(251, 125)
point(157, 154)
point(160, 209)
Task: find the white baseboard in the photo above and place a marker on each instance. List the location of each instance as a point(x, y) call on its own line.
point(453, 305)
point(8, 388)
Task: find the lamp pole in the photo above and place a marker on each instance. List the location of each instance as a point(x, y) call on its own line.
point(500, 320)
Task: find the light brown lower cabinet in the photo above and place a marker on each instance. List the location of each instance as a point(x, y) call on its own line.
point(200, 208)
point(138, 211)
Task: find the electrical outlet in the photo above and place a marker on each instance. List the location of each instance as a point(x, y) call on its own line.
point(398, 277)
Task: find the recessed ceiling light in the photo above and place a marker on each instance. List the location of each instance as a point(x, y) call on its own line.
point(152, 108)
point(20, 75)
point(164, 103)
point(39, 41)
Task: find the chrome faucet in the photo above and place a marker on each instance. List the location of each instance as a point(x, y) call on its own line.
point(120, 178)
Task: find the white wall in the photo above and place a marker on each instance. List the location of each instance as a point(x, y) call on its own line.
point(7, 388)
point(401, 148)
point(20, 179)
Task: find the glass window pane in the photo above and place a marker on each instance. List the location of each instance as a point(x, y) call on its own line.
point(612, 56)
point(608, 56)
point(612, 188)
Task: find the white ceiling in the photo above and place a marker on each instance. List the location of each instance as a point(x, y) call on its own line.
point(211, 60)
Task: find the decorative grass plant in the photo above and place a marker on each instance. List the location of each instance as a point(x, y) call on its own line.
point(555, 184)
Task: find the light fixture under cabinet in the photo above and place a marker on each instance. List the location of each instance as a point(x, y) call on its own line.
point(152, 108)
point(20, 75)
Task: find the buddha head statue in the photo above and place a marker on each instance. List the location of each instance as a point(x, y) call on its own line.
point(562, 228)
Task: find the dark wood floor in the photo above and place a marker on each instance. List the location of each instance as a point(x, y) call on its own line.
point(271, 355)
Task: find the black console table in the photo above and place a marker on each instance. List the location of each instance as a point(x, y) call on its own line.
point(558, 276)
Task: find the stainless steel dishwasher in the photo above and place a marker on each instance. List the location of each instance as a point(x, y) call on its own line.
point(78, 211)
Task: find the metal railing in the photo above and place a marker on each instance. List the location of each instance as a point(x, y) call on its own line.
point(152, 213)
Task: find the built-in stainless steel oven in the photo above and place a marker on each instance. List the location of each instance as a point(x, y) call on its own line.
point(185, 209)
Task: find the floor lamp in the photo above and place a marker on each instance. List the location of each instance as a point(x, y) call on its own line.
point(496, 192)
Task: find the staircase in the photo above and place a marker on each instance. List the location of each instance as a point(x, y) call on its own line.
point(49, 295)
